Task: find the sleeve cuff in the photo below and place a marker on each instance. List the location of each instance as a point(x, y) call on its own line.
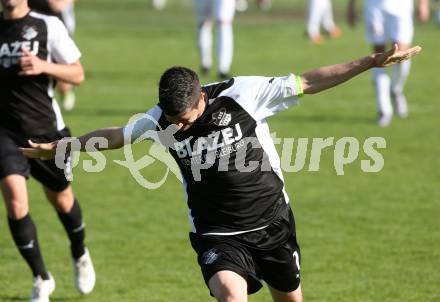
point(299, 86)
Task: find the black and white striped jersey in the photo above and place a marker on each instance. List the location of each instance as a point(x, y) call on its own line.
point(26, 102)
point(230, 167)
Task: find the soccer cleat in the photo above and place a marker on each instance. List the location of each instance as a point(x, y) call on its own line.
point(241, 5)
point(85, 277)
point(205, 70)
point(336, 32)
point(400, 103)
point(42, 289)
point(159, 4)
point(384, 120)
point(316, 39)
point(224, 76)
point(69, 100)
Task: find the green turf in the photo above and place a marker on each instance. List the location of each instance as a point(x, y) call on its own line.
point(364, 237)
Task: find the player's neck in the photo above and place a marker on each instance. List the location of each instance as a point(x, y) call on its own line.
point(16, 12)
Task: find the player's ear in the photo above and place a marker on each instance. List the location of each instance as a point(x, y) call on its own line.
point(201, 101)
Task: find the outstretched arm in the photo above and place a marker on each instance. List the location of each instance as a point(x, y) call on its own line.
point(113, 136)
point(326, 77)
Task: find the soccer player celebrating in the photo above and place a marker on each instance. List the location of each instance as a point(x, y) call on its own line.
point(321, 12)
point(222, 12)
point(243, 229)
point(29, 43)
point(389, 21)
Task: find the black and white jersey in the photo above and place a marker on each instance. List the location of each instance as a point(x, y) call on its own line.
point(238, 184)
point(26, 102)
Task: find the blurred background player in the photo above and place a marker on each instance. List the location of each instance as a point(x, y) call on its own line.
point(436, 4)
point(222, 12)
point(64, 10)
point(390, 21)
point(30, 45)
point(243, 5)
point(321, 13)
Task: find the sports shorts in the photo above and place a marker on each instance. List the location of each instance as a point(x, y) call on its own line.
point(271, 254)
point(12, 161)
point(219, 10)
point(383, 26)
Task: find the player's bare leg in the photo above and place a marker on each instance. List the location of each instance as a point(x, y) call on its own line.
point(398, 79)
point(24, 233)
point(382, 84)
point(15, 196)
point(70, 216)
point(62, 201)
point(227, 286)
point(294, 296)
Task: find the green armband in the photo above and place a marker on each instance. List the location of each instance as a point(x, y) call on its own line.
point(299, 86)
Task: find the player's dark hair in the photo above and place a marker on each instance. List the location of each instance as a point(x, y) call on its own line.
point(179, 90)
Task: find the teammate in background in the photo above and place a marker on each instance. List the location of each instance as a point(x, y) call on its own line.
point(29, 43)
point(436, 4)
point(64, 10)
point(321, 13)
point(222, 12)
point(243, 229)
point(390, 21)
point(242, 5)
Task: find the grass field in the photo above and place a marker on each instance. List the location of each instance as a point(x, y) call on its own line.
point(364, 236)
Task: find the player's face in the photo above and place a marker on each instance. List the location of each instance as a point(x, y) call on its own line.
point(186, 119)
point(11, 4)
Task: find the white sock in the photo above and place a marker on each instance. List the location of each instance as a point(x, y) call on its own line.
point(382, 84)
point(316, 10)
point(159, 4)
point(400, 74)
point(225, 47)
point(205, 44)
point(327, 19)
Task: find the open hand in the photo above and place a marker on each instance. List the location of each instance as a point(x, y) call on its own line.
point(41, 151)
point(394, 56)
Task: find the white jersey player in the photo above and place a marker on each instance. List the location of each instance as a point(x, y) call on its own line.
point(321, 13)
point(390, 21)
point(222, 12)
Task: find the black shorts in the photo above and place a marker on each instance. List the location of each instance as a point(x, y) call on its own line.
point(271, 254)
point(12, 161)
